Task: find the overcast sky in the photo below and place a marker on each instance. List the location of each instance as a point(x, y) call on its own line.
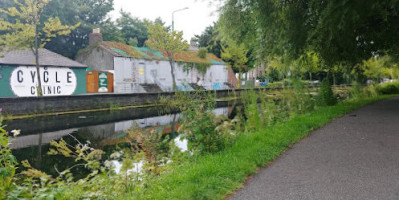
point(201, 13)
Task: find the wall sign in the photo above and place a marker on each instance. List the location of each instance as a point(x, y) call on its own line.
point(102, 82)
point(55, 81)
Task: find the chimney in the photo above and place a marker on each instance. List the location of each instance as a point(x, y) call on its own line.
point(95, 37)
point(193, 45)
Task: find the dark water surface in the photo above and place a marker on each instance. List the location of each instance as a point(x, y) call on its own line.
point(102, 130)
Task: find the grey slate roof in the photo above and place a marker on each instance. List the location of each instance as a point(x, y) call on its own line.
point(46, 58)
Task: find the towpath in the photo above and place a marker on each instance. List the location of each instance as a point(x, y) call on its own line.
point(353, 157)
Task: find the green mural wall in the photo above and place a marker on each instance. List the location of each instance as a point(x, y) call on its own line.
point(5, 73)
point(81, 78)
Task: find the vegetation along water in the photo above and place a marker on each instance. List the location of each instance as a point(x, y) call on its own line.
point(220, 151)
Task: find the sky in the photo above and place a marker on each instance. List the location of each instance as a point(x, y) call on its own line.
point(193, 21)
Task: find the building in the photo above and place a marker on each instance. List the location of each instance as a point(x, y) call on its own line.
point(59, 75)
point(140, 69)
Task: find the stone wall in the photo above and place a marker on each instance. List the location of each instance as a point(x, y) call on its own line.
point(38, 105)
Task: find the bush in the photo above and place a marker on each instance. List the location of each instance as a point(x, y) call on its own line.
point(388, 88)
point(326, 96)
point(275, 84)
point(202, 52)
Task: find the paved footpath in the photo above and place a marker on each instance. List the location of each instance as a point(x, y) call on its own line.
point(353, 157)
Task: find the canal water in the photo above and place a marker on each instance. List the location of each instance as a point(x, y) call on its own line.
point(101, 130)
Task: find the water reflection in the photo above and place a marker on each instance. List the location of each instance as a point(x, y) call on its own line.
point(102, 130)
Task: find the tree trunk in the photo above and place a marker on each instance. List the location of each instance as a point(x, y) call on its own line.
point(172, 71)
point(39, 82)
point(239, 78)
point(310, 77)
point(333, 74)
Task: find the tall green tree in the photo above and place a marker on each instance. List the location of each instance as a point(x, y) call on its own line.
point(27, 31)
point(90, 14)
point(235, 56)
point(377, 68)
point(168, 42)
point(210, 40)
point(310, 63)
point(340, 31)
point(132, 28)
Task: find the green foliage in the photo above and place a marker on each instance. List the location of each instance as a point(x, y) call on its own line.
point(202, 68)
point(8, 164)
point(388, 88)
point(340, 31)
point(310, 63)
point(202, 52)
point(168, 42)
point(28, 31)
point(133, 42)
point(132, 28)
point(90, 14)
point(217, 149)
point(326, 96)
point(250, 106)
point(235, 56)
point(299, 100)
point(279, 66)
point(21, 33)
point(215, 176)
point(377, 68)
point(204, 131)
point(274, 74)
point(210, 40)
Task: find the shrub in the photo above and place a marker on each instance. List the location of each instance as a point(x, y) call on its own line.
point(388, 88)
point(326, 96)
point(202, 52)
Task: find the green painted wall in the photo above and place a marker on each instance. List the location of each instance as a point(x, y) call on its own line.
point(81, 80)
point(5, 73)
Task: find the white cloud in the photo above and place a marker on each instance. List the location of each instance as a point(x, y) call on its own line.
point(201, 13)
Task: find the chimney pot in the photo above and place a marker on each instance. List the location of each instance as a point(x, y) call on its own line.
point(96, 30)
point(95, 37)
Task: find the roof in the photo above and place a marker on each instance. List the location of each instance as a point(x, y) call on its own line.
point(124, 50)
point(46, 58)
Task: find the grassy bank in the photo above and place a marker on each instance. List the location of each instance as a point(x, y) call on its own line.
point(214, 176)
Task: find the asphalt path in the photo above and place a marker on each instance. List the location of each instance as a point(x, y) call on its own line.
point(353, 157)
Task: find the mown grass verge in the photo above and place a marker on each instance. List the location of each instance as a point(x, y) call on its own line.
point(214, 176)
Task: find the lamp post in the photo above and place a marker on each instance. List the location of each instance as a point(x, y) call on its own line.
point(173, 16)
point(173, 54)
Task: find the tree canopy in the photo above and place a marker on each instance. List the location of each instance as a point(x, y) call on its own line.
point(90, 14)
point(210, 40)
point(340, 31)
point(171, 42)
point(25, 28)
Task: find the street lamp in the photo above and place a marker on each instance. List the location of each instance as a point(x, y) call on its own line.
point(173, 16)
point(173, 54)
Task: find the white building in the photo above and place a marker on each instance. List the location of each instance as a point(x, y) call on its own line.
point(139, 69)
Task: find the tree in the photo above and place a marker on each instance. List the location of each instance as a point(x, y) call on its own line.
point(132, 28)
point(209, 39)
point(168, 42)
point(310, 63)
point(377, 68)
point(334, 70)
point(235, 56)
point(28, 32)
point(90, 14)
point(340, 31)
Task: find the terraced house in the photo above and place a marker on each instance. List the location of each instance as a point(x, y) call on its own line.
point(140, 70)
